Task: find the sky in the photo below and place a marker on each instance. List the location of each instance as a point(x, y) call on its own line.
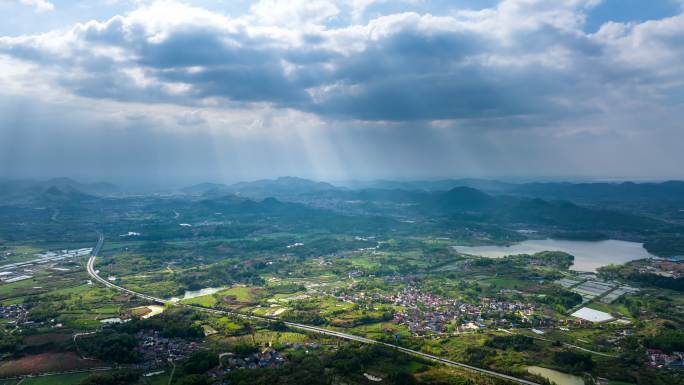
point(190, 91)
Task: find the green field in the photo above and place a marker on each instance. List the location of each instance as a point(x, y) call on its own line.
point(161, 379)
point(380, 267)
point(63, 379)
point(242, 294)
point(204, 300)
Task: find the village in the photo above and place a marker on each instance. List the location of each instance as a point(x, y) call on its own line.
point(673, 268)
point(14, 314)
point(427, 313)
point(264, 358)
point(659, 359)
point(157, 351)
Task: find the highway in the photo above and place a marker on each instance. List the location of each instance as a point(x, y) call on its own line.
point(94, 274)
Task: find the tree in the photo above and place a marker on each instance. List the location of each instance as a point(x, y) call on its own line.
point(116, 378)
point(193, 379)
point(572, 361)
point(112, 346)
point(200, 362)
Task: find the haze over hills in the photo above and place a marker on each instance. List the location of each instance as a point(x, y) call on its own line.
point(608, 209)
point(662, 195)
point(293, 188)
point(341, 192)
point(283, 187)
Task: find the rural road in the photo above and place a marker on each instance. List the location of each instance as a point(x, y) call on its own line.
point(94, 274)
point(52, 374)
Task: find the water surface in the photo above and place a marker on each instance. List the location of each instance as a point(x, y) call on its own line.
point(154, 310)
point(197, 293)
point(589, 255)
point(559, 378)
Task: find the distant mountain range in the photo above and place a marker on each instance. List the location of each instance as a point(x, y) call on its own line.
point(474, 195)
point(671, 191)
point(284, 187)
point(434, 185)
point(584, 211)
point(460, 204)
point(51, 191)
point(665, 198)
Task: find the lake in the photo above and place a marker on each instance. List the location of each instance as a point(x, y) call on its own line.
point(559, 378)
point(589, 255)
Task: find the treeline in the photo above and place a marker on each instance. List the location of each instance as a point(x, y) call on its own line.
point(669, 245)
point(9, 343)
point(557, 259)
point(116, 378)
point(629, 273)
point(556, 296)
point(346, 365)
point(172, 323)
point(573, 362)
point(516, 342)
point(111, 346)
point(668, 340)
point(117, 343)
point(657, 281)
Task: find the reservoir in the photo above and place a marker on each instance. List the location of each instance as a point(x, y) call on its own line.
point(589, 255)
point(555, 376)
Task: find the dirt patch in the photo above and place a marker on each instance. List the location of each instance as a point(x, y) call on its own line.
point(45, 362)
point(146, 311)
point(140, 311)
point(230, 300)
point(342, 322)
point(42, 339)
point(121, 298)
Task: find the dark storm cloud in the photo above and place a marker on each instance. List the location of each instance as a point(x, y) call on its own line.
point(410, 71)
point(410, 76)
point(518, 88)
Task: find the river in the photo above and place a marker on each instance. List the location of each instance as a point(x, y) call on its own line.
point(589, 255)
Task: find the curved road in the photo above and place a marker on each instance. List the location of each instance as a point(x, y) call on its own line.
point(94, 274)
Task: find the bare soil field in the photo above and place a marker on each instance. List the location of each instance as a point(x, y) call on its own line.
point(44, 363)
point(42, 339)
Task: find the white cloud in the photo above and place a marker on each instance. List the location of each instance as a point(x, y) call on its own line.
point(307, 87)
point(293, 13)
point(40, 5)
point(522, 63)
point(521, 58)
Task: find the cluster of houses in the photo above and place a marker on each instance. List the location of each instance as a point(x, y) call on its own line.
point(427, 313)
point(157, 351)
point(266, 358)
point(15, 314)
point(659, 359)
point(664, 268)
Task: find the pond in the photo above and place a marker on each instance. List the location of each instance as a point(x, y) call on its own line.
point(154, 310)
point(589, 255)
point(559, 378)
